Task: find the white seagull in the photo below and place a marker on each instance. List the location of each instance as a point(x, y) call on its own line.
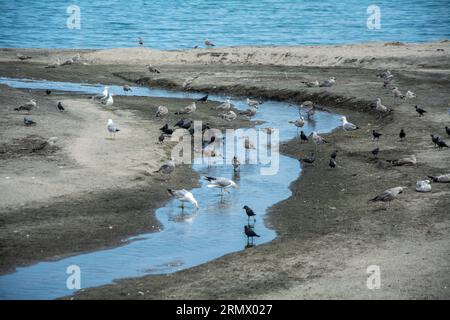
point(410, 95)
point(183, 196)
point(253, 103)
point(423, 186)
point(348, 126)
point(397, 93)
point(112, 128)
point(299, 123)
point(103, 95)
point(328, 83)
point(226, 105)
point(209, 44)
point(109, 101)
point(222, 183)
point(188, 109)
point(388, 195)
point(318, 139)
point(228, 116)
point(162, 111)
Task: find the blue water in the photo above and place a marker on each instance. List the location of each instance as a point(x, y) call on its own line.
point(188, 238)
point(182, 24)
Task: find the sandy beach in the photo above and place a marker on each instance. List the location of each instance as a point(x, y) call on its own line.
point(88, 192)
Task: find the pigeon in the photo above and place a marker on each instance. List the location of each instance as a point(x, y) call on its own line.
point(208, 43)
point(23, 57)
point(332, 163)
point(309, 160)
point(348, 126)
point(375, 152)
point(167, 167)
point(405, 161)
point(28, 122)
point(183, 123)
point(420, 111)
point(334, 154)
point(388, 195)
point(162, 111)
point(188, 109)
point(183, 196)
point(222, 183)
point(249, 213)
point(376, 135)
point(249, 232)
point(203, 99)
point(161, 138)
point(402, 134)
point(27, 106)
point(442, 178)
point(328, 83)
point(112, 128)
point(60, 106)
point(311, 84)
point(303, 137)
point(166, 130)
point(126, 88)
point(397, 93)
point(423, 186)
point(152, 69)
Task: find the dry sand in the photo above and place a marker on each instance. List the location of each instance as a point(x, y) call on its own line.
point(327, 231)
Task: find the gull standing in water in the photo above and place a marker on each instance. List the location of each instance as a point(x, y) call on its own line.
point(223, 183)
point(299, 123)
point(183, 196)
point(209, 44)
point(250, 112)
point(252, 103)
point(112, 128)
point(236, 164)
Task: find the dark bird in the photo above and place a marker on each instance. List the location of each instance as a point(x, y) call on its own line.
point(376, 135)
point(402, 134)
point(165, 129)
point(334, 154)
point(420, 111)
point(250, 233)
point(161, 138)
point(28, 122)
point(184, 123)
point(435, 139)
point(332, 163)
point(441, 144)
point(447, 129)
point(309, 160)
point(126, 88)
point(60, 106)
point(375, 152)
point(48, 91)
point(203, 99)
point(249, 213)
point(23, 57)
point(303, 137)
point(141, 41)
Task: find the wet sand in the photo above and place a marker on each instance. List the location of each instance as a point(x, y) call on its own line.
point(328, 234)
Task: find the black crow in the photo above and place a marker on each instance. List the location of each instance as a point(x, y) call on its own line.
point(420, 111)
point(60, 106)
point(376, 135)
point(303, 137)
point(203, 99)
point(402, 134)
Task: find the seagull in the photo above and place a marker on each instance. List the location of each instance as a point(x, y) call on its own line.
point(222, 183)
point(405, 161)
point(27, 106)
point(420, 111)
point(309, 160)
point(228, 116)
point(328, 83)
point(332, 163)
point(203, 99)
point(183, 196)
point(311, 111)
point(188, 109)
point(152, 69)
point(165, 129)
point(208, 43)
point(112, 128)
point(376, 135)
point(28, 122)
point(375, 152)
point(442, 178)
point(397, 93)
point(183, 123)
point(60, 106)
point(348, 126)
point(299, 123)
point(311, 84)
point(249, 213)
point(250, 112)
point(252, 103)
point(103, 95)
point(162, 111)
point(303, 137)
point(225, 105)
point(318, 139)
point(167, 167)
point(380, 107)
point(109, 101)
point(410, 95)
point(249, 233)
point(23, 57)
point(187, 83)
point(388, 195)
point(236, 164)
point(402, 134)
point(423, 186)
point(126, 88)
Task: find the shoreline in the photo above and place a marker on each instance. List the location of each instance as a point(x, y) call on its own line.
point(309, 247)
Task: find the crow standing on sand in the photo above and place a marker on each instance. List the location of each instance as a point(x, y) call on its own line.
point(60, 106)
point(420, 111)
point(375, 152)
point(376, 135)
point(332, 163)
point(303, 137)
point(441, 144)
point(402, 134)
point(435, 139)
